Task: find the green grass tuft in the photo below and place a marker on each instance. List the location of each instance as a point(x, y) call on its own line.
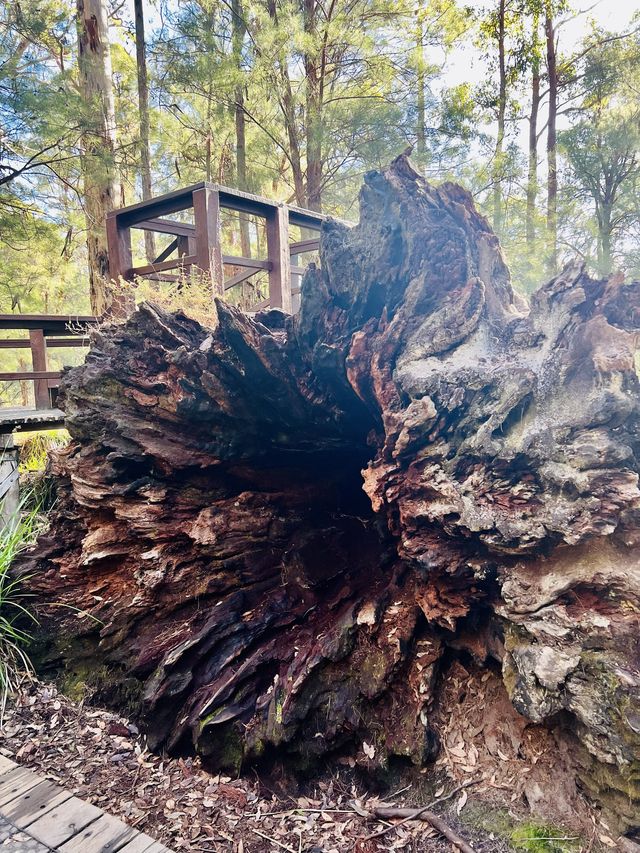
point(18, 534)
point(537, 838)
point(34, 449)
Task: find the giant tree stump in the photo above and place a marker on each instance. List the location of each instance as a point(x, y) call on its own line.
point(274, 528)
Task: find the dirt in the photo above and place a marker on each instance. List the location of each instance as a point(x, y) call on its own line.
point(516, 794)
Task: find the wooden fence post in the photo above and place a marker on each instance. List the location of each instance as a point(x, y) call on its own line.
point(39, 361)
point(206, 217)
point(120, 265)
point(278, 254)
point(9, 479)
point(119, 245)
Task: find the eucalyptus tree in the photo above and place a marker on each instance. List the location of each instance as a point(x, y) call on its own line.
point(510, 46)
point(143, 112)
point(102, 187)
point(39, 129)
point(602, 146)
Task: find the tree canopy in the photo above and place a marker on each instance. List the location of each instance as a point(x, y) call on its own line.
point(297, 99)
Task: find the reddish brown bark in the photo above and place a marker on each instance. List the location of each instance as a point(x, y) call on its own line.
point(253, 598)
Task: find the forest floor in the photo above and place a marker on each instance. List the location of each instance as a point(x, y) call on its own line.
point(501, 769)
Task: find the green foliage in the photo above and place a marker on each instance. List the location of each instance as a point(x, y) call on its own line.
point(15, 537)
point(602, 148)
point(334, 89)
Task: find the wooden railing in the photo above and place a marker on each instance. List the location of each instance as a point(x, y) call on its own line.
point(199, 245)
point(195, 246)
point(45, 331)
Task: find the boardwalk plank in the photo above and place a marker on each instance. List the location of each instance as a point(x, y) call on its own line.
point(140, 844)
point(38, 816)
point(15, 783)
point(34, 803)
point(6, 764)
point(63, 822)
point(105, 835)
point(20, 842)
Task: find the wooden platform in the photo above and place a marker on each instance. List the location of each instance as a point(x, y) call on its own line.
point(25, 419)
point(37, 816)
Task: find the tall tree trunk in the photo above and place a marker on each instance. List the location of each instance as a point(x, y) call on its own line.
point(502, 110)
point(421, 142)
point(101, 181)
point(313, 110)
point(552, 163)
point(238, 26)
point(605, 229)
point(143, 111)
point(287, 106)
point(294, 155)
point(532, 178)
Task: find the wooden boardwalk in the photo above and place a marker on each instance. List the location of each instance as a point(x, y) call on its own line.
point(38, 816)
point(24, 418)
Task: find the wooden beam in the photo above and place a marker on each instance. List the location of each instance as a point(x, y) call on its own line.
point(36, 375)
point(302, 246)
point(9, 479)
point(162, 276)
point(51, 324)
point(174, 263)
point(238, 278)
point(186, 245)
point(164, 254)
point(206, 215)
point(159, 206)
point(23, 343)
point(278, 252)
point(119, 247)
point(39, 361)
point(306, 218)
point(167, 226)
point(253, 263)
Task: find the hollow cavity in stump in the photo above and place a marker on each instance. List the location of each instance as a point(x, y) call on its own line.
point(277, 526)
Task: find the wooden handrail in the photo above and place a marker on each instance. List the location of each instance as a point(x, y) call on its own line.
point(23, 343)
point(304, 246)
point(33, 374)
point(71, 331)
point(51, 324)
point(200, 243)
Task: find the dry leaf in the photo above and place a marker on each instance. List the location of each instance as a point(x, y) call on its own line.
point(462, 801)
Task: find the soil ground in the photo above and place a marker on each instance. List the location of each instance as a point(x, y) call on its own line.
point(518, 793)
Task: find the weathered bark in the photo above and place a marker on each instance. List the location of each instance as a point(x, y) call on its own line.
point(252, 596)
point(101, 180)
